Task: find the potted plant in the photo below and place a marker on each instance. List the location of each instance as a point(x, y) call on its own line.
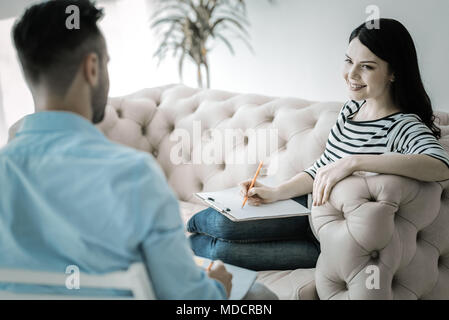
point(188, 27)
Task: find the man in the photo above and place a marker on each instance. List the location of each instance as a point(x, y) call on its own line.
point(68, 195)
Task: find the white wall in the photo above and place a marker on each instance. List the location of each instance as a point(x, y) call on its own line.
point(3, 129)
point(300, 46)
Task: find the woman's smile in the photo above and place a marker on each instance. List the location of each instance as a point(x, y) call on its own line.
point(356, 86)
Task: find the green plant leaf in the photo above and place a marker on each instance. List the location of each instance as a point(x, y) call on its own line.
point(227, 43)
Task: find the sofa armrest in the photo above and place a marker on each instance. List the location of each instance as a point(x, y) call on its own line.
point(383, 237)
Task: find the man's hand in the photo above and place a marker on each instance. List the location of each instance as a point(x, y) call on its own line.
point(219, 273)
point(327, 176)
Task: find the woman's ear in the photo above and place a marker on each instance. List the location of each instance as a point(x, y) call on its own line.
point(92, 69)
point(392, 77)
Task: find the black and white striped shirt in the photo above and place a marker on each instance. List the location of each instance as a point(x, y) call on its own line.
point(399, 132)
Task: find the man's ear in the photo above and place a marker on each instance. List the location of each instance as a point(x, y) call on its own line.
point(91, 68)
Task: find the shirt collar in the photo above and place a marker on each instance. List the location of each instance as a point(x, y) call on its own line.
point(52, 121)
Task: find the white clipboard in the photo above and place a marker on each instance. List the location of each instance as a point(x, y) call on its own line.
point(229, 203)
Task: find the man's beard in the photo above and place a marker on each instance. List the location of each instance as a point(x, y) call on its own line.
point(99, 100)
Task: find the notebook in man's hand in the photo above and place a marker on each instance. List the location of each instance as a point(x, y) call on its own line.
point(229, 203)
point(242, 279)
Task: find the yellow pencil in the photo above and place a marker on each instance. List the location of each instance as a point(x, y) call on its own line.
point(252, 183)
point(210, 266)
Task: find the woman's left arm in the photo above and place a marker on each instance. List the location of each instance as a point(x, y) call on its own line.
point(417, 166)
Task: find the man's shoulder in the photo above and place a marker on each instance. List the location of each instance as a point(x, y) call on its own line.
point(14, 128)
point(127, 156)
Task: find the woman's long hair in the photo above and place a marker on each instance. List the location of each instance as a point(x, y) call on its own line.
point(393, 43)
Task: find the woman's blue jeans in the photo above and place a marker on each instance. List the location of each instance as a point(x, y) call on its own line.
point(270, 244)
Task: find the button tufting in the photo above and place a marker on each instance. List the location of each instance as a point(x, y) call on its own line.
point(119, 113)
point(375, 254)
point(245, 140)
point(155, 153)
point(144, 130)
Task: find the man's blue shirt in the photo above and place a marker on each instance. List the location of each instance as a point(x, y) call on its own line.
point(69, 196)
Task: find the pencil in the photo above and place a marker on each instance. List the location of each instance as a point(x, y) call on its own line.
point(252, 183)
point(210, 266)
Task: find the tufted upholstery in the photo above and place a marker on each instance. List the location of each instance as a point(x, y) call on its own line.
point(397, 224)
point(147, 120)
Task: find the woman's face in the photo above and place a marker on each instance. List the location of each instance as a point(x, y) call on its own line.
point(366, 75)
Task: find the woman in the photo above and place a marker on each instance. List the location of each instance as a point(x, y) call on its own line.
point(386, 127)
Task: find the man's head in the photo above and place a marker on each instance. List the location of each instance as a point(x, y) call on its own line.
point(65, 62)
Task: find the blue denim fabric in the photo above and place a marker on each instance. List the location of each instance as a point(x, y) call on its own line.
point(281, 244)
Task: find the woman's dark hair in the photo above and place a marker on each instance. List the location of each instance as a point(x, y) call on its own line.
point(393, 43)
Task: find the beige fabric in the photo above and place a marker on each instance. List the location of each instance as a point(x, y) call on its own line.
point(296, 284)
point(397, 224)
point(147, 119)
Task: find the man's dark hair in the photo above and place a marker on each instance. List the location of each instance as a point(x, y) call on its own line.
point(50, 51)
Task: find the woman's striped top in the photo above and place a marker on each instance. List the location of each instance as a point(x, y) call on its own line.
point(398, 133)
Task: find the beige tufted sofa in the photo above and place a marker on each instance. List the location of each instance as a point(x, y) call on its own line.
point(382, 236)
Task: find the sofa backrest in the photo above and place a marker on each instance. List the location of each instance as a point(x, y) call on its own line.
point(152, 119)
point(181, 126)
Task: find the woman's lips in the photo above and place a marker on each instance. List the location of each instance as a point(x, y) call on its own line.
point(356, 87)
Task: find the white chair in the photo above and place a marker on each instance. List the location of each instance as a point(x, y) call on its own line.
point(135, 279)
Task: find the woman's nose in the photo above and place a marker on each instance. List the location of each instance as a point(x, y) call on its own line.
point(352, 74)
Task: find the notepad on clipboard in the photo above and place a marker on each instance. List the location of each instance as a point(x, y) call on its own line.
point(242, 279)
point(229, 203)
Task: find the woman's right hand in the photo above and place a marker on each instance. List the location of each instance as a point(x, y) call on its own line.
point(259, 193)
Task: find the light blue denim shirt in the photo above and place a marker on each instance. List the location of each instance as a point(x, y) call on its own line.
point(69, 196)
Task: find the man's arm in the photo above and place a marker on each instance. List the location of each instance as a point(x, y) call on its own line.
point(165, 248)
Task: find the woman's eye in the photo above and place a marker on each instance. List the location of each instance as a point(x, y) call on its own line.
point(348, 61)
point(367, 67)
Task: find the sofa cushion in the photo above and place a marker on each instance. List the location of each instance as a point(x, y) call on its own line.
point(296, 284)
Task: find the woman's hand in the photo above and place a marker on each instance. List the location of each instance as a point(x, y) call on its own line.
point(327, 176)
point(258, 194)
